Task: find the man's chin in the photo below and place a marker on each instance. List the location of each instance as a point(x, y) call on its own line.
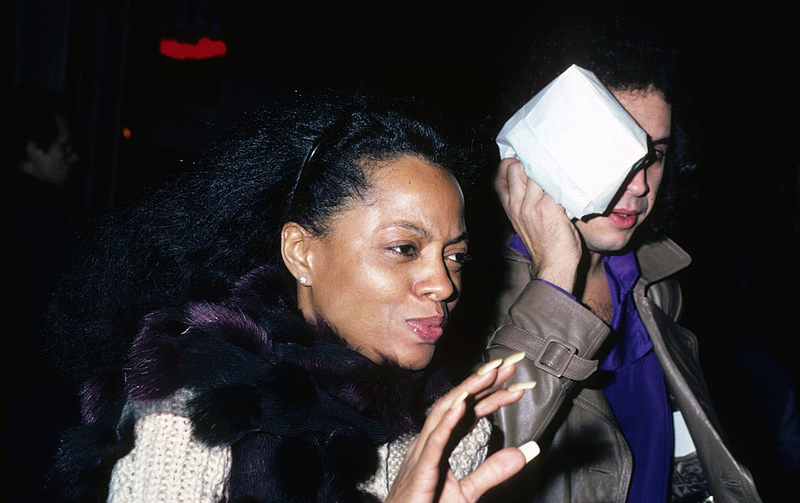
point(609, 246)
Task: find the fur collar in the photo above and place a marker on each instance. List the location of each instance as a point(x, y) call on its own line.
point(271, 387)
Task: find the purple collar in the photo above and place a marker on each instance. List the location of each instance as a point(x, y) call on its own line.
point(517, 245)
point(622, 272)
point(632, 342)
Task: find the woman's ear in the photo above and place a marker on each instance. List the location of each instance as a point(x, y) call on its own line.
point(295, 246)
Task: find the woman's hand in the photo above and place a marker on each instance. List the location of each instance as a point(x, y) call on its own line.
point(425, 475)
point(551, 239)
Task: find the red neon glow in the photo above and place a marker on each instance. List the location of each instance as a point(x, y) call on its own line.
point(203, 49)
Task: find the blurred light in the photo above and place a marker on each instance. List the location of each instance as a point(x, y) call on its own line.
point(203, 49)
point(126, 133)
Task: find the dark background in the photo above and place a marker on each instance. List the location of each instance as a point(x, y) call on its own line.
point(742, 231)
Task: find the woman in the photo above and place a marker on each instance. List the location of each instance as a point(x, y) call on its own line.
point(297, 283)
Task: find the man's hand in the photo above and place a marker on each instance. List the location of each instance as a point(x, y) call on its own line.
point(551, 239)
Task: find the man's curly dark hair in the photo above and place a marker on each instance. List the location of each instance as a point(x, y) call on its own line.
point(625, 54)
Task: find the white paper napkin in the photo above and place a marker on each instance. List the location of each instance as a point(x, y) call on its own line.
point(576, 141)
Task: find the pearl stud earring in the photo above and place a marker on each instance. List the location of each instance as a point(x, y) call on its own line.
point(303, 280)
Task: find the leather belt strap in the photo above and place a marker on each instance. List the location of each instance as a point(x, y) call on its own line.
point(556, 357)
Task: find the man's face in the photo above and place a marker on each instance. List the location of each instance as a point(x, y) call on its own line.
point(612, 231)
point(54, 165)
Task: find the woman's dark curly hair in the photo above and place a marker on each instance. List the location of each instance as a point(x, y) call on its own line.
point(193, 238)
point(625, 54)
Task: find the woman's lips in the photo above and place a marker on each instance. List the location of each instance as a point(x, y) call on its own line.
point(428, 330)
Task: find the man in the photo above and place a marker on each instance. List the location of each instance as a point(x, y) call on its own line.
point(45, 212)
point(44, 216)
point(598, 292)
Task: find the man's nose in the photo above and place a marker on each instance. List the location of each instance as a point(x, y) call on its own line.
point(638, 184)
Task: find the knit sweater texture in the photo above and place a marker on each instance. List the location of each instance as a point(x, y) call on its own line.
point(168, 464)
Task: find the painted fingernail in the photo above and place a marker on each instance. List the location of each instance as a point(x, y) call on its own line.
point(510, 359)
point(486, 367)
point(530, 450)
point(460, 398)
point(521, 385)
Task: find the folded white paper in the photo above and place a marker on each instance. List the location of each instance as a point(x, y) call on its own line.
point(576, 141)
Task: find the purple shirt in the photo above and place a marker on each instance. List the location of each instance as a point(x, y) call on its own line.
point(636, 391)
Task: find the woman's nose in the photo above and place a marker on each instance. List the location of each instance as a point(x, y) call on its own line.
point(435, 283)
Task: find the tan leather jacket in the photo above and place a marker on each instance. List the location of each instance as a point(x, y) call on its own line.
point(586, 457)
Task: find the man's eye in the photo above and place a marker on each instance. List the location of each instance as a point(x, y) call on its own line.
point(460, 257)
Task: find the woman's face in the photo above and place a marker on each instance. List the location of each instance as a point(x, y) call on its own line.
point(389, 271)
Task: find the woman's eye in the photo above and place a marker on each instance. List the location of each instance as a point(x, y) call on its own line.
point(460, 257)
point(660, 154)
point(406, 250)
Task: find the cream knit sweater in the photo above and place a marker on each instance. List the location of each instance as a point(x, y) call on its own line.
point(167, 464)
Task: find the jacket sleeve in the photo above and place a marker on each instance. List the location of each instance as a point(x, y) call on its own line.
point(167, 464)
point(560, 338)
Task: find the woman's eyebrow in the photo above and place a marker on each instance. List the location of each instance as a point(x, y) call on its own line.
point(412, 227)
point(460, 239)
point(464, 236)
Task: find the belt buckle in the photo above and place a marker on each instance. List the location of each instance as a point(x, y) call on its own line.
point(555, 356)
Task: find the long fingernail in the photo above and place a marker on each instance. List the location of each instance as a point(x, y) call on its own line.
point(510, 359)
point(521, 385)
point(530, 450)
point(460, 398)
point(486, 367)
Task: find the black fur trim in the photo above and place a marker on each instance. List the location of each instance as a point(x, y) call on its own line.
point(302, 413)
point(156, 368)
point(223, 415)
point(85, 459)
point(230, 325)
point(101, 393)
